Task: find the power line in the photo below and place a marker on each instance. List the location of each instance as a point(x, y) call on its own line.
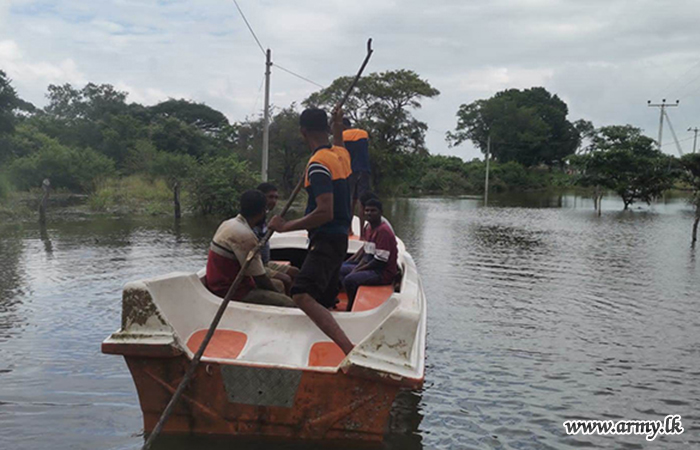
point(249, 27)
point(299, 76)
point(677, 79)
point(679, 141)
point(257, 97)
point(262, 49)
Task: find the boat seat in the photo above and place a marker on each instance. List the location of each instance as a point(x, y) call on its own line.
point(225, 344)
point(370, 297)
point(325, 354)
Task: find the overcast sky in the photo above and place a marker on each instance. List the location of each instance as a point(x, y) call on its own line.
point(605, 58)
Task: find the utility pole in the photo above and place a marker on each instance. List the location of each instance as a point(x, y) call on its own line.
point(695, 139)
point(663, 105)
point(266, 117)
point(486, 180)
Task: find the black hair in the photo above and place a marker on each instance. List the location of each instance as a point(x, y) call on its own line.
point(266, 187)
point(314, 119)
point(253, 202)
point(347, 122)
point(367, 196)
point(374, 202)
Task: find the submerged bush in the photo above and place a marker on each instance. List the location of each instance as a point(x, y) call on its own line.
point(217, 184)
point(134, 194)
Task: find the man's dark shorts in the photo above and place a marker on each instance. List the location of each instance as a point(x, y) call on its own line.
point(359, 184)
point(320, 274)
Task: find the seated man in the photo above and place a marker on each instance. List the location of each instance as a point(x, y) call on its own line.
point(375, 263)
point(281, 272)
point(227, 254)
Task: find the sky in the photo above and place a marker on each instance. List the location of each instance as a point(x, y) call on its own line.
point(604, 58)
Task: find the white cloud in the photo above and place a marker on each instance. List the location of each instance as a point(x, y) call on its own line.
point(25, 72)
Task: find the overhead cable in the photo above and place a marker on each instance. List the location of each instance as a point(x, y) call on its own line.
point(299, 76)
point(249, 27)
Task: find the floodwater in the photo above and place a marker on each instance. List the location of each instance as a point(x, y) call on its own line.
point(539, 312)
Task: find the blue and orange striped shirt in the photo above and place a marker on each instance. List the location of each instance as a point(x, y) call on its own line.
point(328, 171)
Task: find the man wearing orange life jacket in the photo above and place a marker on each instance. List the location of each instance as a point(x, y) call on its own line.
point(327, 220)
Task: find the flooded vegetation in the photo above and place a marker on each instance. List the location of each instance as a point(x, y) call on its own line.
point(539, 312)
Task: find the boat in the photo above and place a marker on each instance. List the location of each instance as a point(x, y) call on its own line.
point(269, 371)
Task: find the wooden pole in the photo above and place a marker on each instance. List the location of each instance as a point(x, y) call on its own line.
point(486, 179)
point(176, 199)
point(45, 186)
point(697, 218)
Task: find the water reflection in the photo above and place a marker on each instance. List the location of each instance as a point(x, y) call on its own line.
point(538, 311)
point(48, 247)
point(10, 281)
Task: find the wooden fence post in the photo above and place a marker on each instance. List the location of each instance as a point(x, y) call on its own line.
point(45, 186)
point(176, 199)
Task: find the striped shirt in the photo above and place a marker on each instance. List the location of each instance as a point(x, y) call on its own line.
point(381, 245)
point(327, 172)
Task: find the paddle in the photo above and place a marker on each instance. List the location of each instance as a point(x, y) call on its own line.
point(234, 286)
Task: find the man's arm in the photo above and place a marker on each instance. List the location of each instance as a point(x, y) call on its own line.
point(357, 256)
point(337, 119)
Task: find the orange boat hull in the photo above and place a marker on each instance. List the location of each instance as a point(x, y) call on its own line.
point(242, 400)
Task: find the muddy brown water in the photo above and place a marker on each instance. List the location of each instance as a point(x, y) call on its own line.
point(538, 312)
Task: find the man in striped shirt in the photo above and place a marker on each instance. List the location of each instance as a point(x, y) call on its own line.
point(375, 263)
point(228, 251)
point(327, 220)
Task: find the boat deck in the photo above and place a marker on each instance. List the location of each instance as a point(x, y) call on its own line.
point(228, 344)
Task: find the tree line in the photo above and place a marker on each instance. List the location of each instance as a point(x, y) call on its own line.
point(86, 136)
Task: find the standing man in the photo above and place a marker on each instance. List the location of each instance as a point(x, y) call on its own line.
point(327, 219)
point(375, 263)
point(228, 251)
point(357, 143)
point(281, 272)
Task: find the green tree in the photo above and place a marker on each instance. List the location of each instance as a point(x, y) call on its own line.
point(71, 168)
point(9, 102)
point(528, 126)
point(198, 115)
point(93, 102)
point(382, 104)
point(625, 161)
point(172, 135)
point(10, 106)
point(288, 151)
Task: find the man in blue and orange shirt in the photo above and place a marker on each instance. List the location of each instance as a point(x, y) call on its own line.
point(327, 220)
point(357, 143)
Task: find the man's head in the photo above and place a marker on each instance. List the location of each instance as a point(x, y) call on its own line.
point(271, 194)
point(313, 124)
point(346, 123)
point(373, 211)
point(367, 196)
point(253, 204)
